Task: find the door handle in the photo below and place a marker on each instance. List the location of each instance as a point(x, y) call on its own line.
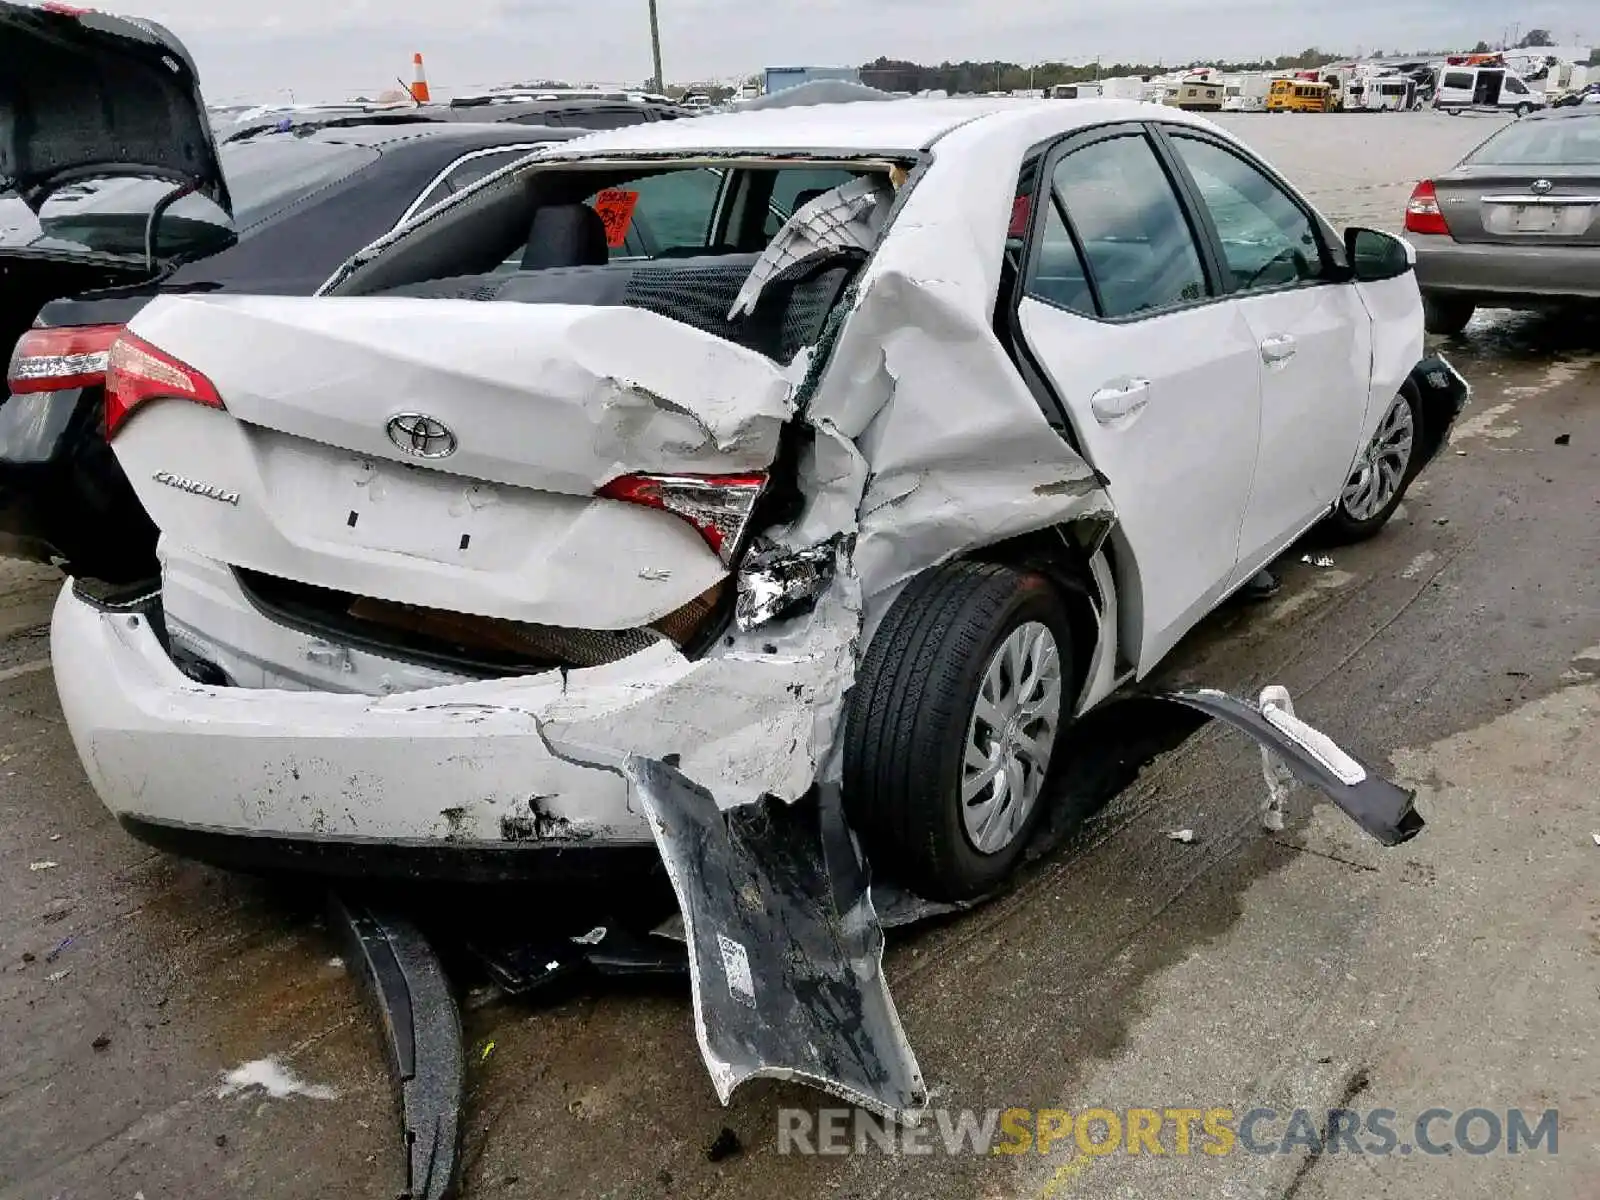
point(1122, 400)
point(1278, 349)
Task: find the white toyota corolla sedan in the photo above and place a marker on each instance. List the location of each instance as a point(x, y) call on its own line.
point(865, 444)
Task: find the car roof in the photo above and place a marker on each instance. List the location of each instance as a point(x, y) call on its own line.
point(379, 136)
point(904, 126)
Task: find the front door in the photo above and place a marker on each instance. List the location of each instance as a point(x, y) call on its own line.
point(1313, 338)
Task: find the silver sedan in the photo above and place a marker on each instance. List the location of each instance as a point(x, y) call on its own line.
point(1515, 224)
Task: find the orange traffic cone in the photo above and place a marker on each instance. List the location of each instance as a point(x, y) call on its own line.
point(419, 89)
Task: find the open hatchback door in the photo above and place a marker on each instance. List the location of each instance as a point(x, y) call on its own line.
point(86, 95)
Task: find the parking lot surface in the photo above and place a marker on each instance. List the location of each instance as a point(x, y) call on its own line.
point(1308, 969)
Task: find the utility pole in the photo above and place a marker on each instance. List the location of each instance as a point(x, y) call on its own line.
point(655, 49)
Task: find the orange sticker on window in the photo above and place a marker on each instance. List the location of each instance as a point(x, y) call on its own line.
point(615, 207)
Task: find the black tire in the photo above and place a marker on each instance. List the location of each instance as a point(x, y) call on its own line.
point(1524, 109)
point(1446, 315)
point(908, 718)
point(1341, 528)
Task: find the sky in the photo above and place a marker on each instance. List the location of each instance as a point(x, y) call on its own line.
point(335, 49)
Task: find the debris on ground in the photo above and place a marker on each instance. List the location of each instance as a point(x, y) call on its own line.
point(1564, 439)
point(101, 1042)
point(1186, 836)
point(726, 1145)
point(1596, 837)
point(44, 865)
point(60, 946)
point(57, 976)
point(28, 957)
point(488, 1049)
point(406, 983)
point(276, 1080)
point(1321, 560)
point(1441, 520)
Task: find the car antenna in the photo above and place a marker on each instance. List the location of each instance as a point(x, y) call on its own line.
point(161, 206)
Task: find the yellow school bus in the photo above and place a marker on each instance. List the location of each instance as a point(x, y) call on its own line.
point(1299, 95)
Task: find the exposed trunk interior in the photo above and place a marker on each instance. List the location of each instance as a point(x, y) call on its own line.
point(27, 284)
point(482, 646)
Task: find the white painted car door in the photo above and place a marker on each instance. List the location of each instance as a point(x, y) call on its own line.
point(1312, 333)
point(1160, 382)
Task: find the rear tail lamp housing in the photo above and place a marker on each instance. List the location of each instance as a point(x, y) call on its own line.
point(718, 506)
point(53, 360)
point(1423, 214)
point(137, 372)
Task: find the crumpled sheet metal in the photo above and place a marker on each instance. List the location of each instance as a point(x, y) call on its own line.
point(758, 718)
point(785, 950)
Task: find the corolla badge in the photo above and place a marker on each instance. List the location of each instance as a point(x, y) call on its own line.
point(422, 435)
point(196, 487)
point(1541, 186)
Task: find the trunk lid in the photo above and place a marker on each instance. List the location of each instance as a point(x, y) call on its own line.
point(1539, 204)
point(447, 453)
point(84, 94)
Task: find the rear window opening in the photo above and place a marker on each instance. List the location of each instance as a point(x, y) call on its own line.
point(680, 241)
point(484, 647)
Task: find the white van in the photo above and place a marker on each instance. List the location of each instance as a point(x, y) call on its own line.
point(1494, 88)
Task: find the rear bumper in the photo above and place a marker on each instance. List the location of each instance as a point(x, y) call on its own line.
point(491, 778)
point(1511, 275)
point(314, 777)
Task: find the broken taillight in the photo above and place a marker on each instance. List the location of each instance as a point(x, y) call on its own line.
point(137, 371)
point(1423, 214)
point(718, 506)
point(50, 360)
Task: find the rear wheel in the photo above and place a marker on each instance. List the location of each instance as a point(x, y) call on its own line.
point(1524, 109)
point(955, 714)
point(1386, 466)
point(1445, 314)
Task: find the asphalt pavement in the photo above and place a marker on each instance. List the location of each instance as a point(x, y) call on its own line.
point(171, 1030)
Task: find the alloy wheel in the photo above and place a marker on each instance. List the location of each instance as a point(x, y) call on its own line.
point(1010, 736)
point(1381, 472)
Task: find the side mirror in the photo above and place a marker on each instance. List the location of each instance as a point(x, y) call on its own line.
point(1375, 256)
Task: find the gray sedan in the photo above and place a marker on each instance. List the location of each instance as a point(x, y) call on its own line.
point(1515, 224)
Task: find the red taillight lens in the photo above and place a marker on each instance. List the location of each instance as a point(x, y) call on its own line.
point(1423, 214)
point(718, 506)
point(138, 371)
point(48, 360)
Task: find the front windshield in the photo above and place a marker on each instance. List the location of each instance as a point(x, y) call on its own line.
point(265, 174)
point(1559, 141)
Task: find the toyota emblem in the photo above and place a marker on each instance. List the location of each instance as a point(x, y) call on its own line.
point(422, 435)
point(1541, 186)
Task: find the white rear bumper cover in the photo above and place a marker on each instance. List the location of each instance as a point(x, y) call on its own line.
point(527, 762)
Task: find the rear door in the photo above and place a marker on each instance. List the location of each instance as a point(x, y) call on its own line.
point(1312, 335)
point(1160, 381)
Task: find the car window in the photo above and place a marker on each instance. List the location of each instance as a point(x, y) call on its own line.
point(1516, 87)
point(658, 213)
point(467, 171)
point(603, 118)
point(1267, 239)
point(798, 183)
point(1458, 79)
point(1056, 273)
point(1572, 141)
point(1135, 236)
